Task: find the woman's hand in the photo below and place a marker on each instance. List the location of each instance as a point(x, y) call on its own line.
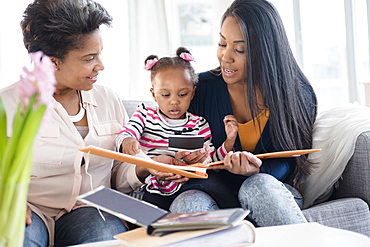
point(199, 156)
point(243, 163)
point(130, 146)
point(167, 176)
point(29, 216)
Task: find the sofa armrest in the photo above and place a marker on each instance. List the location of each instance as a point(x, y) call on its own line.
point(350, 214)
point(355, 180)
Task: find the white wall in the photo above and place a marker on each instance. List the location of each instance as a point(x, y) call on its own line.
point(13, 54)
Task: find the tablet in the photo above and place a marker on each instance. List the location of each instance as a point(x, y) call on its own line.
point(123, 206)
point(185, 142)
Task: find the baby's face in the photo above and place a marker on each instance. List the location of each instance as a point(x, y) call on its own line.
point(173, 91)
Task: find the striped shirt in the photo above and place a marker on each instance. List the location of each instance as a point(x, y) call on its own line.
point(152, 130)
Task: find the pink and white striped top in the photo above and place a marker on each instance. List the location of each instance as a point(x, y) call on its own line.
point(152, 130)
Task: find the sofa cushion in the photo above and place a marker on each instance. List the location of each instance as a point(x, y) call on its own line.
point(349, 214)
point(355, 180)
point(335, 131)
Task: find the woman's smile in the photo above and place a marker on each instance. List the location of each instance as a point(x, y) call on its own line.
point(228, 72)
point(92, 79)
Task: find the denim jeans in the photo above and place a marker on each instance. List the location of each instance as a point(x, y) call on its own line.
point(220, 185)
point(83, 225)
point(36, 234)
point(270, 201)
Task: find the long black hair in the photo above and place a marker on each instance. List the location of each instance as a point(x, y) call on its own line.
point(273, 72)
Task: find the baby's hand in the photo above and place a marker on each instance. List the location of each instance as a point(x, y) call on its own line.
point(231, 127)
point(205, 158)
point(130, 146)
point(199, 156)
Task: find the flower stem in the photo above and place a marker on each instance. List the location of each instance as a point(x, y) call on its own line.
point(3, 136)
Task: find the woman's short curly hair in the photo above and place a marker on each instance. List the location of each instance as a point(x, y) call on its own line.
point(58, 26)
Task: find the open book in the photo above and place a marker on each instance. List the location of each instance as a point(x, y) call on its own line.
point(192, 171)
point(144, 160)
point(156, 220)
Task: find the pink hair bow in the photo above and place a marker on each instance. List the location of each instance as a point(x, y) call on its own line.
point(150, 63)
point(186, 56)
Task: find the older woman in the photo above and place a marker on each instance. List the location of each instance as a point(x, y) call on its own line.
point(84, 114)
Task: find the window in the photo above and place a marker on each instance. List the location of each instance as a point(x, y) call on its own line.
point(324, 50)
point(330, 40)
point(331, 43)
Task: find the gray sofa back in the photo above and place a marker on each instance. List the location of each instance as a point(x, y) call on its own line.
point(131, 105)
point(355, 180)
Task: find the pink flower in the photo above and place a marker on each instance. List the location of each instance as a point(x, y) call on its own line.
point(38, 79)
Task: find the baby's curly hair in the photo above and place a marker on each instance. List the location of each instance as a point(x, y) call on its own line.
point(172, 62)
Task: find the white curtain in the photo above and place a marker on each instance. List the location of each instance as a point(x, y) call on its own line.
point(13, 54)
point(148, 34)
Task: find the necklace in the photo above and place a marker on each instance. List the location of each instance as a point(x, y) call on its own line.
point(79, 116)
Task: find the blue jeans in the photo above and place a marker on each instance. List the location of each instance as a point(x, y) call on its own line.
point(36, 234)
point(83, 225)
point(222, 186)
point(270, 201)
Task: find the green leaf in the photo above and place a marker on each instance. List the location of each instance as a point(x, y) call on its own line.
point(18, 132)
point(12, 143)
point(25, 145)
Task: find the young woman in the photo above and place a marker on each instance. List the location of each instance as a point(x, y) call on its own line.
point(260, 84)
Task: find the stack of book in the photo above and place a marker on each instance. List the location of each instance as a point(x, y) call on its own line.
point(224, 227)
